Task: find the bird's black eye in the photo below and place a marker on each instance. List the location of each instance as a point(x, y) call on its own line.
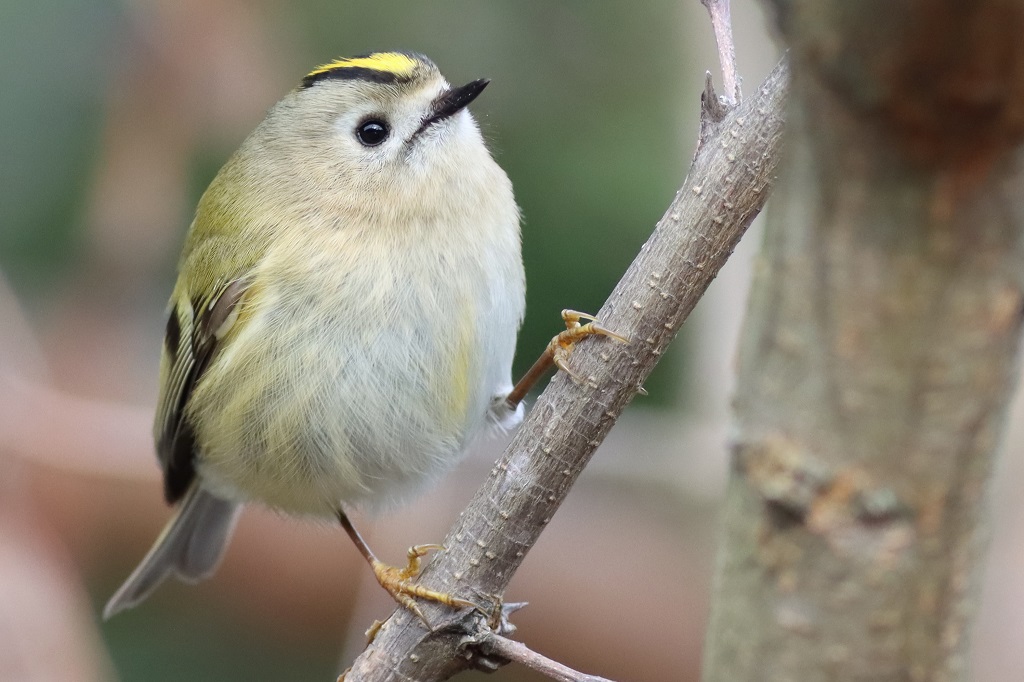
point(372, 132)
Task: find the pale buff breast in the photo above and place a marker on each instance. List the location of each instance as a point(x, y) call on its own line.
point(370, 397)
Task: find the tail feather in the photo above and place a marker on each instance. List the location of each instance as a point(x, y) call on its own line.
point(190, 546)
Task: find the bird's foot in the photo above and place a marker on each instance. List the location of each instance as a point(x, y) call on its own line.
point(399, 583)
point(560, 347)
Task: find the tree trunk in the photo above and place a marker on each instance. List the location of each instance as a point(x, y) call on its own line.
point(880, 347)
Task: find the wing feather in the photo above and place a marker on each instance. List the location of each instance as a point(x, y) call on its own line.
point(193, 330)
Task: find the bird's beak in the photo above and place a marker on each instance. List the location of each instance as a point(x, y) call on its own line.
point(453, 101)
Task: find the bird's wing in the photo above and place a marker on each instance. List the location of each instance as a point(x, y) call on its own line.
point(194, 328)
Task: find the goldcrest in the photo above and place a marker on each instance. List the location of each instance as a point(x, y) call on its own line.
point(345, 313)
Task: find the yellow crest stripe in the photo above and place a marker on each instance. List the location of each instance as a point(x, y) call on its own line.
point(396, 64)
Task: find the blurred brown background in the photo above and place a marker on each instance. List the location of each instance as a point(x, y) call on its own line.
point(116, 115)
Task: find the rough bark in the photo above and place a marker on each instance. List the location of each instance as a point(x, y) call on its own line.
point(880, 347)
point(728, 182)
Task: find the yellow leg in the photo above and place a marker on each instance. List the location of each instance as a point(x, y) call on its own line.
point(562, 345)
point(371, 632)
point(399, 581)
point(558, 351)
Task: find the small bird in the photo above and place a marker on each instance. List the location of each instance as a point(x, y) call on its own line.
point(344, 319)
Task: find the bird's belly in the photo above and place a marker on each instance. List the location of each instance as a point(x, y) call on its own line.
point(358, 406)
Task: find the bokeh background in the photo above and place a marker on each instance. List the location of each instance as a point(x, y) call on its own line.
point(113, 118)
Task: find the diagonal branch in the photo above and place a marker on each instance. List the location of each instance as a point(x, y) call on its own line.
point(728, 183)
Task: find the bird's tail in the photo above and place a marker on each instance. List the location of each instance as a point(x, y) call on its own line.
point(190, 546)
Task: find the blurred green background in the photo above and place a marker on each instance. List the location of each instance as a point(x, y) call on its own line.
point(115, 117)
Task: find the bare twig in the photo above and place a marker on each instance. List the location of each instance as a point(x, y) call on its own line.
point(727, 185)
point(721, 22)
point(518, 652)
